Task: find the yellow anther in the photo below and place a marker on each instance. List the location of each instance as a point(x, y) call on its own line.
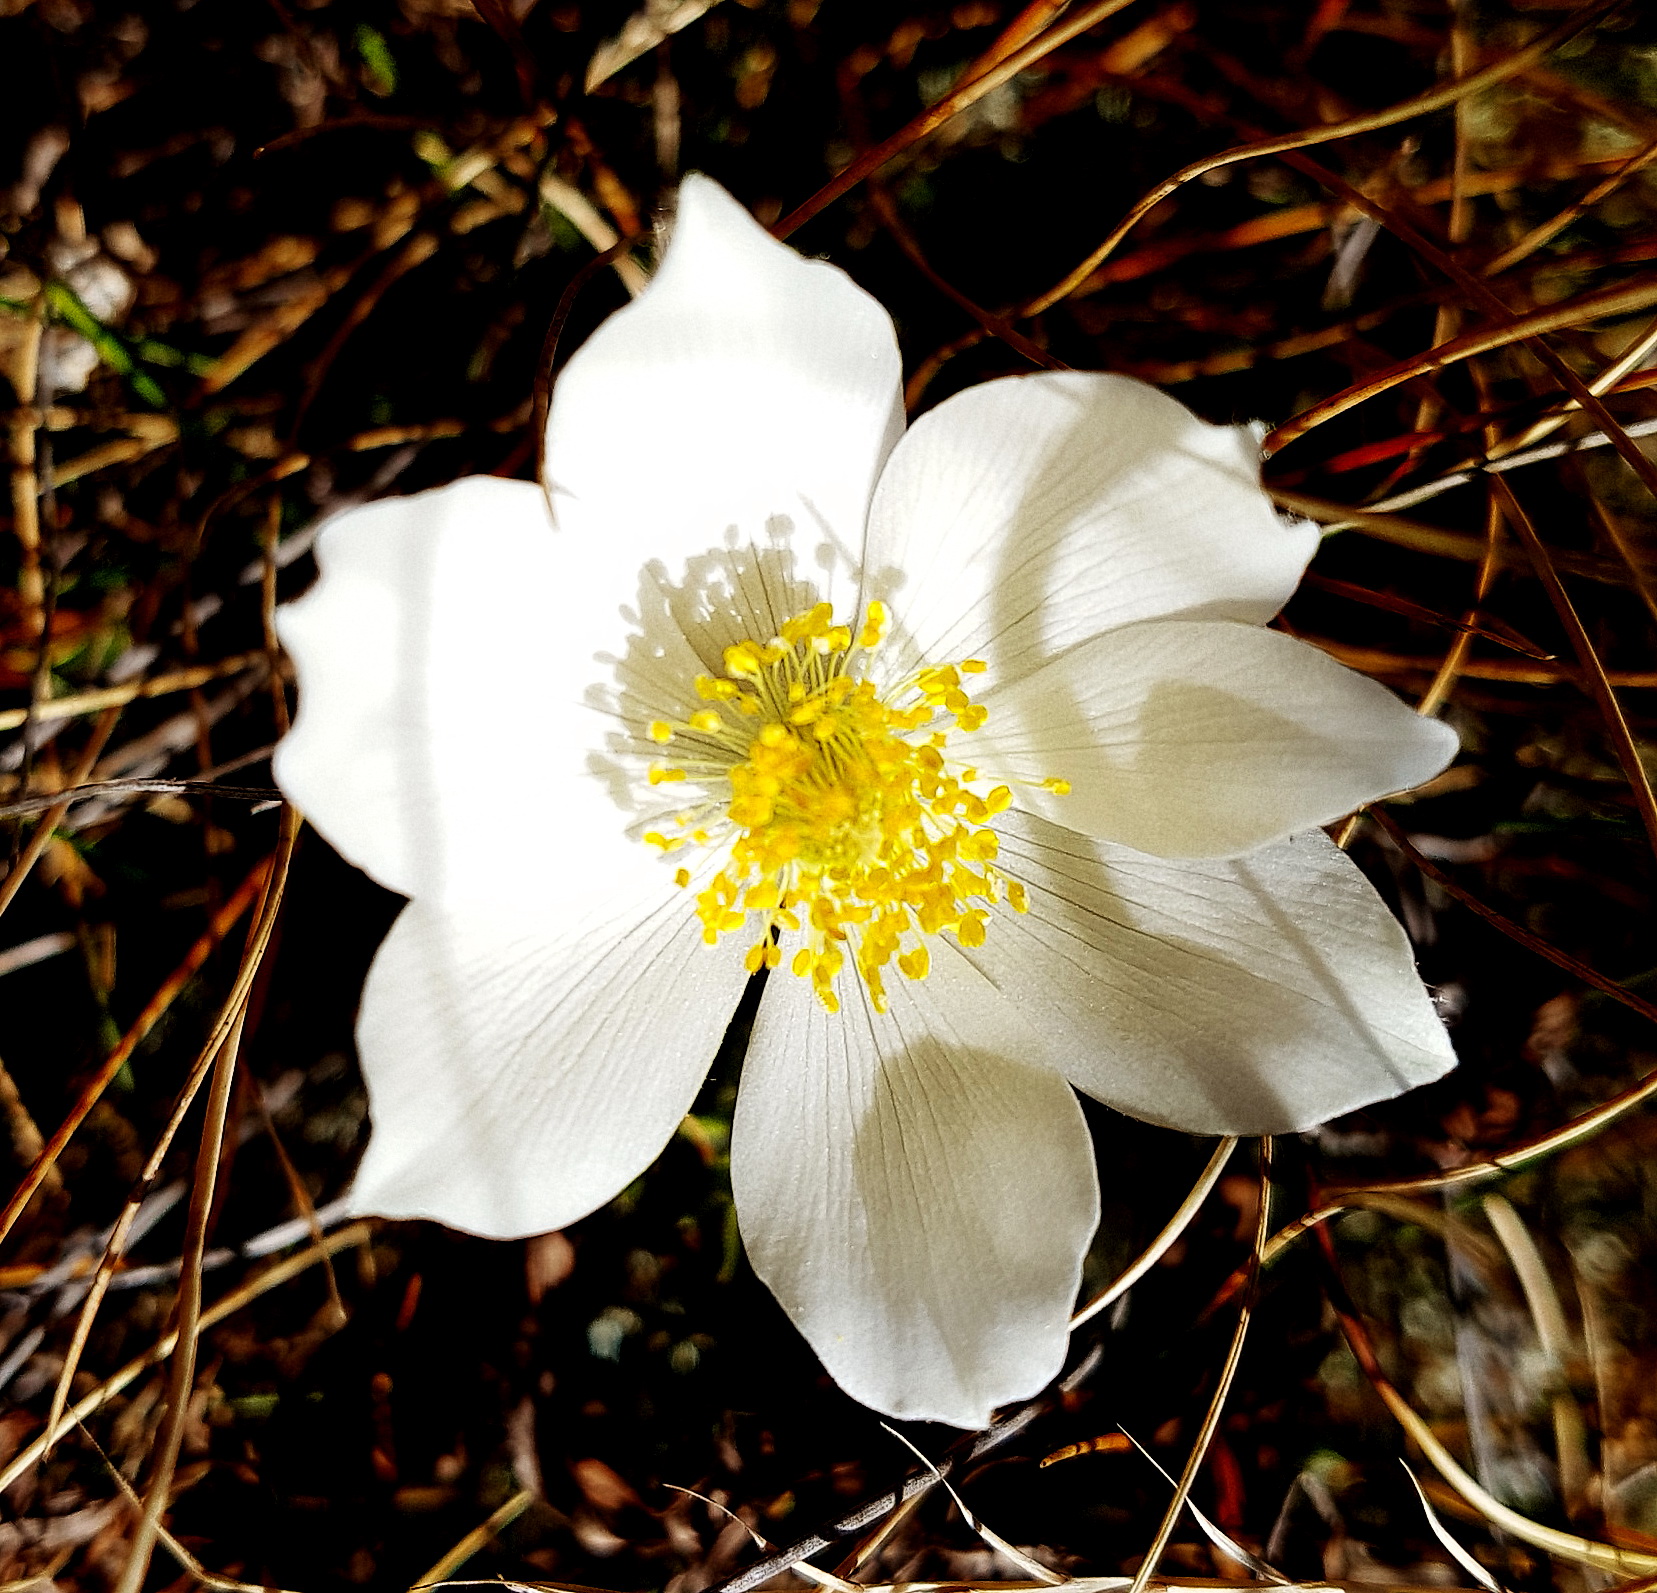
point(742, 661)
point(842, 819)
point(681, 877)
point(661, 732)
point(1056, 786)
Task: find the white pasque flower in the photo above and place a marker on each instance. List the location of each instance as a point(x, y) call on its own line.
point(727, 707)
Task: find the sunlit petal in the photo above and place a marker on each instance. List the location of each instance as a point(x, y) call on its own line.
point(1026, 515)
point(525, 1063)
point(1252, 996)
point(916, 1195)
point(747, 391)
point(1195, 738)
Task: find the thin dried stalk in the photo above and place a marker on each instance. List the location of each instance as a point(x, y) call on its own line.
point(1593, 671)
point(1423, 104)
point(929, 121)
point(53, 817)
point(1620, 300)
point(182, 1379)
point(1159, 1246)
point(91, 702)
point(223, 922)
point(1228, 1372)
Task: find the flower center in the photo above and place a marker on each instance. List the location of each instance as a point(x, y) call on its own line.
point(847, 819)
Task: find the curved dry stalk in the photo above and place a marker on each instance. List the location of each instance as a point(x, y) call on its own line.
point(1603, 189)
point(183, 1377)
point(951, 106)
point(116, 1246)
point(1593, 671)
point(1455, 659)
point(1563, 1545)
point(1228, 1372)
point(1548, 1317)
point(1620, 300)
point(1433, 100)
point(1159, 1246)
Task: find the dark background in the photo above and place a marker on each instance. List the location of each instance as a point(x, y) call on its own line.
point(255, 212)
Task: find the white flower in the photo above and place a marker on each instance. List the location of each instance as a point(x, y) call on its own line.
point(760, 639)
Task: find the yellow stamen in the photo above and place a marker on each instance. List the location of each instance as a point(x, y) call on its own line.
point(847, 820)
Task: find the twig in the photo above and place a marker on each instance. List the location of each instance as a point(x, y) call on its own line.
point(929, 121)
point(1228, 1372)
point(223, 922)
point(90, 702)
point(56, 806)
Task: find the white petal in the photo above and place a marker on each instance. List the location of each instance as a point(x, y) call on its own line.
point(1026, 515)
point(1203, 738)
point(918, 1200)
point(524, 1066)
point(746, 388)
point(1253, 996)
point(451, 726)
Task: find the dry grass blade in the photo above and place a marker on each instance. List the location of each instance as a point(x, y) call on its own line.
point(1228, 1371)
point(1451, 1546)
point(477, 1538)
point(1456, 659)
point(963, 96)
point(1537, 236)
point(1422, 105)
point(223, 922)
point(1593, 671)
point(1164, 1241)
point(25, 481)
point(104, 788)
point(183, 1371)
point(1564, 1545)
point(187, 1561)
point(56, 807)
point(1016, 1556)
point(1221, 1539)
point(115, 1248)
point(1377, 661)
point(1548, 1317)
point(91, 702)
point(1620, 300)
